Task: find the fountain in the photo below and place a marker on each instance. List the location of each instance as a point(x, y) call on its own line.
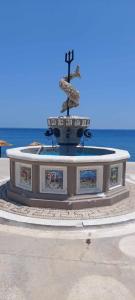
point(67, 174)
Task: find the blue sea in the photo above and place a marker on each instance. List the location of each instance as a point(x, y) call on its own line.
point(122, 139)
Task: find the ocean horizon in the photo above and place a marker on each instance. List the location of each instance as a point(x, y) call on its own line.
point(113, 138)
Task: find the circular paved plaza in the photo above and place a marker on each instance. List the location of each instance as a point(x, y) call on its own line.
point(39, 262)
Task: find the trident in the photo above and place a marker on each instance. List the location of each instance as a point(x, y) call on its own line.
point(69, 57)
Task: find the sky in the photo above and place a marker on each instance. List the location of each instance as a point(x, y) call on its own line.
point(34, 36)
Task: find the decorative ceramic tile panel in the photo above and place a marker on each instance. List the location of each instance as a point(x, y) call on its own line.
point(115, 175)
point(53, 180)
point(89, 179)
point(23, 176)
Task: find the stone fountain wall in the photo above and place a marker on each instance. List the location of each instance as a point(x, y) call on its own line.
point(32, 183)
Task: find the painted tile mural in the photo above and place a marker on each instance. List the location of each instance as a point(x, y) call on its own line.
point(114, 176)
point(88, 179)
point(25, 177)
point(53, 179)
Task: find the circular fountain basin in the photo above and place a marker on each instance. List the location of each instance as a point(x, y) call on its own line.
point(67, 177)
point(69, 151)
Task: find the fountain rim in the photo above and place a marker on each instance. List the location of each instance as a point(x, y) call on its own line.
point(16, 153)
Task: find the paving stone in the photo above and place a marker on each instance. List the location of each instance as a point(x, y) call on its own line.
point(123, 207)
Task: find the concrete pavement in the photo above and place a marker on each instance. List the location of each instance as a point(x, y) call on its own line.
point(65, 264)
point(36, 267)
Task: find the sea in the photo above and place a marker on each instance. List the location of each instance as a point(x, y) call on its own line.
point(121, 139)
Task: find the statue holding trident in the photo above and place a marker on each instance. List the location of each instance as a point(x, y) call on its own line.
point(65, 85)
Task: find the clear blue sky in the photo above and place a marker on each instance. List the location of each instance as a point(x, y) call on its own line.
point(34, 35)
